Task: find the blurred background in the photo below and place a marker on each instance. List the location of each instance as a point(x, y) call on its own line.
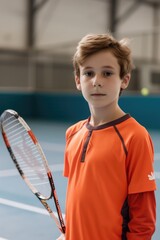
point(38, 39)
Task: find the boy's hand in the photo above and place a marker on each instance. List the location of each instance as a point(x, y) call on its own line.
point(62, 237)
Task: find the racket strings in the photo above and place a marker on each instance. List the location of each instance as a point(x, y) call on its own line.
point(29, 158)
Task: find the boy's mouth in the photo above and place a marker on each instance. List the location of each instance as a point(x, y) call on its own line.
point(98, 94)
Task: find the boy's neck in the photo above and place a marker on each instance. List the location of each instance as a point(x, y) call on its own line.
point(101, 117)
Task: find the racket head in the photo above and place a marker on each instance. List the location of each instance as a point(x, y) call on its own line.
point(26, 153)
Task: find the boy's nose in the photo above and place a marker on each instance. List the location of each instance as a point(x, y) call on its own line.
point(97, 82)
point(97, 85)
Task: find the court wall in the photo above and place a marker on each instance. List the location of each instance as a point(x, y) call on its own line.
point(72, 107)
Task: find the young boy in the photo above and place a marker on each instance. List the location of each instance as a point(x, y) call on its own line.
point(109, 156)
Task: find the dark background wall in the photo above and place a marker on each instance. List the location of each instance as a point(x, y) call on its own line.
point(72, 107)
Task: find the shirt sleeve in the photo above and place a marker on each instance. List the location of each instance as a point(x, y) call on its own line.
point(140, 160)
point(142, 212)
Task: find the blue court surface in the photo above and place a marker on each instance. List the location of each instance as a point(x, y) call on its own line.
point(22, 216)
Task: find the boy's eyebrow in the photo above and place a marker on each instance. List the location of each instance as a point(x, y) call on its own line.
point(88, 67)
point(108, 66)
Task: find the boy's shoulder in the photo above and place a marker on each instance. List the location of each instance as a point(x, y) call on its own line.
point(136, 125)
point(75, 127)
point(135, 128)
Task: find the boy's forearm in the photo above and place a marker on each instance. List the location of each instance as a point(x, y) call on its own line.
point(142, 211)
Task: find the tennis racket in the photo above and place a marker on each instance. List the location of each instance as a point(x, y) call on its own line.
point(30, 161)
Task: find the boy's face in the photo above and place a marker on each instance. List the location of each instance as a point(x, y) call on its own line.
point(100, 80)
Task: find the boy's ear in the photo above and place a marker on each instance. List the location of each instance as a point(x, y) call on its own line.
point(125, 81)
point(77, 81)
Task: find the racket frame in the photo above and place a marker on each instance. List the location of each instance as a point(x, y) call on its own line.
point(60, 224)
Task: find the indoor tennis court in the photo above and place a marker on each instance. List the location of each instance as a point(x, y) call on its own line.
point(37, 41)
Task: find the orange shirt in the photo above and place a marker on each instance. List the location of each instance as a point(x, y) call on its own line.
point(103, 165)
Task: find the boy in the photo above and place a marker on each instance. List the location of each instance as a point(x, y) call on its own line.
point(109, 156)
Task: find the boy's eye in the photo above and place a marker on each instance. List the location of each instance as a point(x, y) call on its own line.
point(107, 73)
point(89, 73)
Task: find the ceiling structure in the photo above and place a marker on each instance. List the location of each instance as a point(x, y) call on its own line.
point(55, 26)
point(34, 6)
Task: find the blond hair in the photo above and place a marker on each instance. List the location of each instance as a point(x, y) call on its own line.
point(93, 43)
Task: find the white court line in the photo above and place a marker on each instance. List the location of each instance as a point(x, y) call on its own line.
point(3, 238)
point(23, 206)
point(26, 207)
point(14, 172)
